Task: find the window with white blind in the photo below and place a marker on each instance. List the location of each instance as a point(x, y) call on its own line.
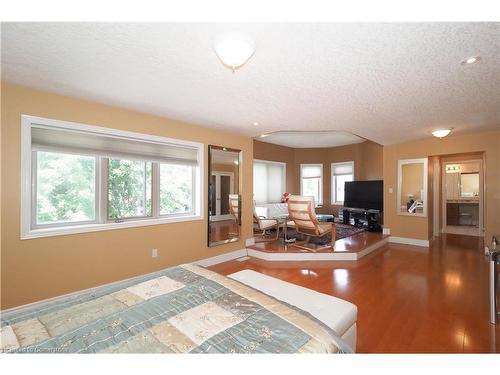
point(311, 181)
point(80, 178)
point(268, 181)
point(341, 173)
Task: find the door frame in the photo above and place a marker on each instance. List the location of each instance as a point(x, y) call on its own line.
point(481, 224)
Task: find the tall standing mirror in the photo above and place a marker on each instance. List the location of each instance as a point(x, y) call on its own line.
point(412, 187)
point(224, 195)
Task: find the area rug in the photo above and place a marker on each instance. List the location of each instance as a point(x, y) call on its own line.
point(342, 230)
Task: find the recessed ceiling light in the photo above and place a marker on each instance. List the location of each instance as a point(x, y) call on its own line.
point(471, 60)
point(440, 133)
point(263, 135)
point(255, 123)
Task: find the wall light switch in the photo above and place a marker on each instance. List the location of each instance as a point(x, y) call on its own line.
point(154, 253)
point(390, 190)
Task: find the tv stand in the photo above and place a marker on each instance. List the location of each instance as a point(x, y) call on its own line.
point(368, 219)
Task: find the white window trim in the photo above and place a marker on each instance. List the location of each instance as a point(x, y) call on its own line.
point(283, 164)
point(320, 202)
point(334, 200)
point(27, 232)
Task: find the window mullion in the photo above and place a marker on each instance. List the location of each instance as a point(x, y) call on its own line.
point(155, 194)
point(34, 184)
point(97, 193)
point(193, 189)
point(103, 211)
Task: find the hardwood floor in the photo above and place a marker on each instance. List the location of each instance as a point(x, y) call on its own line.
point(410, 299)
point(223, 230)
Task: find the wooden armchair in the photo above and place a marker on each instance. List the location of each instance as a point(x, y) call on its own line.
point(262, 225)
point(234, 209)
point(301, 212)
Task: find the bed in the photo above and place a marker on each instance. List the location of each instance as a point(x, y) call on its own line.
point(182, 309)
point(336, 313)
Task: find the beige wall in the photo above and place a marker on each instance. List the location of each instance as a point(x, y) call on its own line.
point(41, 268)
point(418, 227)
point(367, 157)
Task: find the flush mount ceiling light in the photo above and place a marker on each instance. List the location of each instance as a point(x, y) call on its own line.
point(441, 133)
point(234, 49)
point(255, 123)
point(471, 60)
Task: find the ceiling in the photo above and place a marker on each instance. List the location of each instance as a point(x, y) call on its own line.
point(311, 139)
point(387, 82)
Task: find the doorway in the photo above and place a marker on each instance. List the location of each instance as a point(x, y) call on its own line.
point(221, 185)
point(462, 195)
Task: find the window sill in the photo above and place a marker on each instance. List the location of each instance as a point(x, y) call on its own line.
point(85, 228)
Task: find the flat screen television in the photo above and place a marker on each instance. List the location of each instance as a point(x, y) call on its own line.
point(366, 195)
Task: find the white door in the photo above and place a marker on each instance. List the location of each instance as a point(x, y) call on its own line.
point(221, 185)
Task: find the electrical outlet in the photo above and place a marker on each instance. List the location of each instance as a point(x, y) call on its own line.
point(250, 241)
point(154, 253)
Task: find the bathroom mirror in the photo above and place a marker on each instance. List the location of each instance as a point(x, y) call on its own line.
point(412, 187)
point(224, 195)
point(469, 184)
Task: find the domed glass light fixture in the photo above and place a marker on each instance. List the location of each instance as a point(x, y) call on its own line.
point(234, 49)
point(441, 133)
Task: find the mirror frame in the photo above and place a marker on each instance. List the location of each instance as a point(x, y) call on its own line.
point(209, 176)
point(402, 162)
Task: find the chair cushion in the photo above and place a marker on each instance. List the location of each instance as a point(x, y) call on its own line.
point(325, 228)
point(267, 223)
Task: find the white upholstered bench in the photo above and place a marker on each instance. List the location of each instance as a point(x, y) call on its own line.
point(336, 313)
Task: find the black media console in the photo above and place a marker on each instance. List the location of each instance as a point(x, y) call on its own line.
point(368, 219)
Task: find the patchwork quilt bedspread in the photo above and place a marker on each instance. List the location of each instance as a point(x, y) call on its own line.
point(177, 310)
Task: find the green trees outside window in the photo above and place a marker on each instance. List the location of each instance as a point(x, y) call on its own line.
point(176, 189)
point(65, 188)
point(129, 189)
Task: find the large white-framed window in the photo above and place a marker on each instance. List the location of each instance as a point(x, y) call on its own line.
point(341, 173)
point(311, 182)
point(269, 181)
point(83, 178)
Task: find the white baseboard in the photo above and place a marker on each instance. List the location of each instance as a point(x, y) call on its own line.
point(299, 257)
point(221, 258)
point(372, 248)
point(311, 256)
point(409, 241)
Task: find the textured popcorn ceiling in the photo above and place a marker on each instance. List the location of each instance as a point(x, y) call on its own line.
point(386, 82)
